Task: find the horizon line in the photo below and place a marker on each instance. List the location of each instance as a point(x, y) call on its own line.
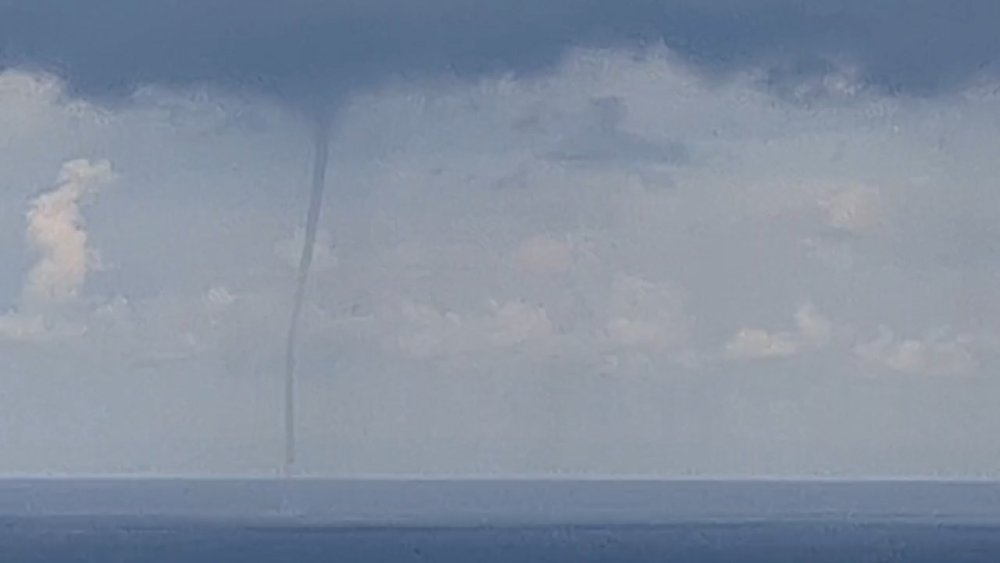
point(499, 478)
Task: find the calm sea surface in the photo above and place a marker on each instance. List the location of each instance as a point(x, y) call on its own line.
point(467, 521)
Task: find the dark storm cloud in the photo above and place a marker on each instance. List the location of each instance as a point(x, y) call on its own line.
point(303, 49)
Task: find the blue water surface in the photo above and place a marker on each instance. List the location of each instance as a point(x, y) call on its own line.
point(458, 522)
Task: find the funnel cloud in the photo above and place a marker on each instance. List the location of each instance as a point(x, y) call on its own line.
point(301, 281)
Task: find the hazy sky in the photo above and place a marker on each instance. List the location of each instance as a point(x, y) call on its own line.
point(576, 237)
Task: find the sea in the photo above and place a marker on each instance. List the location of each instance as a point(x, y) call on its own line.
point(494, 521)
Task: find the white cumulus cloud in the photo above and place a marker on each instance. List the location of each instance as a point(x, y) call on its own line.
point(939, 354)
point(56, 231)
point(517, 322)
point(813, 330)
point(756, 344)
point(855, 209)
point(646, 315)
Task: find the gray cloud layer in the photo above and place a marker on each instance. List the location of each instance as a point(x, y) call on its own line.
point(309, 50)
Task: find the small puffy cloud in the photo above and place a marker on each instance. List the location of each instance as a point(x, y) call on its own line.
point(939, 354)
point(21, 328)
point(432, 332)
point(218, 300)
point(646, 315)
point(544, 255)
point(844, 205)
point(219, 297)
point(116, 312)
point(289, 250)
point(813, 331)
point(517, 322)
point(840, 82)
point(639, 318)
point(632, 333)
point(759, 344)
point(855, 209)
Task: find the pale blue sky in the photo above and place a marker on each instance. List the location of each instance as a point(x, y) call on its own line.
point(633, 237)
